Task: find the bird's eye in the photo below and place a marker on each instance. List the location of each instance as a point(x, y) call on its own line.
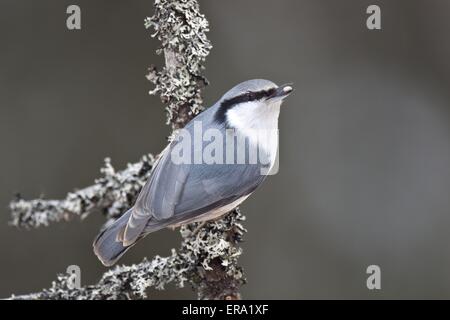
point(270, 92)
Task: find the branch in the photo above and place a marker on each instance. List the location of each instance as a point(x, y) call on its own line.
point(112, 194)
point(181, 28)
point(207, 258)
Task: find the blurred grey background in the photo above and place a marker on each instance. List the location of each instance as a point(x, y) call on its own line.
point(365, 139)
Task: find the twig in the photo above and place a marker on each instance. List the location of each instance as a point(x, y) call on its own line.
point(112, 194)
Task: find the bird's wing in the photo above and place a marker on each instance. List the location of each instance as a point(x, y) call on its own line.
point(180, 191)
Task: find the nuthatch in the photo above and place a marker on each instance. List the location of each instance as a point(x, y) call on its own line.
point(197, 179)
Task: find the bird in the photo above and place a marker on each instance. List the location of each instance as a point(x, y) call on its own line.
point(185, 185)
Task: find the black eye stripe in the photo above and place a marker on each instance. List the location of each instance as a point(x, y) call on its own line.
point(245, 97)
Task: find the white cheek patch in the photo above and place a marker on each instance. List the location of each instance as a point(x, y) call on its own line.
point(258, 121)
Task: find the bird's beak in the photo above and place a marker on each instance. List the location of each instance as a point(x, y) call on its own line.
point(282, 92)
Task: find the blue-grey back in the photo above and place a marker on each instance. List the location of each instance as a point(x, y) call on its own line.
point(177, 189)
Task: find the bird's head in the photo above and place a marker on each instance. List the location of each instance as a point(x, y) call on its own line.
point(252, 104)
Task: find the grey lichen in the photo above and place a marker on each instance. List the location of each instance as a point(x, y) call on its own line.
point(208, 255)
point(181, 28)
point(112, 194)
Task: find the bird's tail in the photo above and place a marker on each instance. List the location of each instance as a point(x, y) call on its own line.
point(107, 245)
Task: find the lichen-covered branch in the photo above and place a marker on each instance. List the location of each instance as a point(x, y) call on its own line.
point(207, 258)
point(111, 194)
point(181, 28)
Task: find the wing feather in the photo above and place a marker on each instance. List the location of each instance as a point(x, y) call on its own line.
point(177, 192)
